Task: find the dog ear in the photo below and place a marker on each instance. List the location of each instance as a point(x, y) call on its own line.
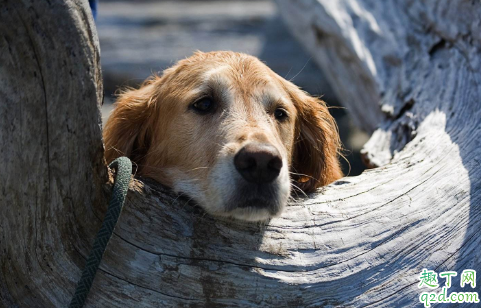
point(317, 147)
point(127, 131)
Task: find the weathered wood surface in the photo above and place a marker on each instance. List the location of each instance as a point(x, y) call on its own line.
point(52, 168)
point(361, 241)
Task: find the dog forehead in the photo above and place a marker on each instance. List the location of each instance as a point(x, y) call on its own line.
point(231, 76)
point(249, 82)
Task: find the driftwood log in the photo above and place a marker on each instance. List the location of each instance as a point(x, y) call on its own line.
point(409, 68)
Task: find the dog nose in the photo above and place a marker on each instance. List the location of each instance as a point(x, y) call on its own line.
point(258, 162)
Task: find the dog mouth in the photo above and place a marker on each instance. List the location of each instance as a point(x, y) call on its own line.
point(259, 203)
point(258, 198)
point(254, 185)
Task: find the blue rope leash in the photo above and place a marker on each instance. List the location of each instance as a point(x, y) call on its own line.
point(121, 186)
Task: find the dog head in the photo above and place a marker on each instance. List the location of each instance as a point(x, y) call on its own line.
point(224, 129)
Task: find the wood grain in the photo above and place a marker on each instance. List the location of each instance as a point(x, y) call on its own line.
point(51, 151)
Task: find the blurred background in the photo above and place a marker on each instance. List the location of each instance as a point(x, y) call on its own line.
point(138, 38)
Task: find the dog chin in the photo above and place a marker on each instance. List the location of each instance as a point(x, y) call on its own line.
point(246, 201)
point(247, 209)
point(253, 213)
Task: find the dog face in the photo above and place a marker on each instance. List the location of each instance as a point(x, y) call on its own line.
point(225, 130)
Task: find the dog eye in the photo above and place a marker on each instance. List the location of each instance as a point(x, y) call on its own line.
point(203, 105)
point(280, 114)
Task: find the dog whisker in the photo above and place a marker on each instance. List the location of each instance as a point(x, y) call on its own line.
point(199, 168)
point(301, 69)
point(304, 175)
point(298, 189)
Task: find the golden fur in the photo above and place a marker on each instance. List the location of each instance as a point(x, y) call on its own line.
point(156, 128)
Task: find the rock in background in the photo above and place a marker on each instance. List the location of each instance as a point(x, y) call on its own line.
point(141, 38)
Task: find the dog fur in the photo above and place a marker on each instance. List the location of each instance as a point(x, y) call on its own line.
point(158, 128)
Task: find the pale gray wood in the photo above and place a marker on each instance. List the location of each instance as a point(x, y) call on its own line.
point(361, 241)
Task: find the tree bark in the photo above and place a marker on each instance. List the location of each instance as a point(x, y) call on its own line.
point(51, 151)
point(410, 68)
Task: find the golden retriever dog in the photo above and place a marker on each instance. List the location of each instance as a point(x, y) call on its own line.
point(228, 132)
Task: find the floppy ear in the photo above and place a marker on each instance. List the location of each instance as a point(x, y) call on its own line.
point(317, 147)
point(128, 130)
